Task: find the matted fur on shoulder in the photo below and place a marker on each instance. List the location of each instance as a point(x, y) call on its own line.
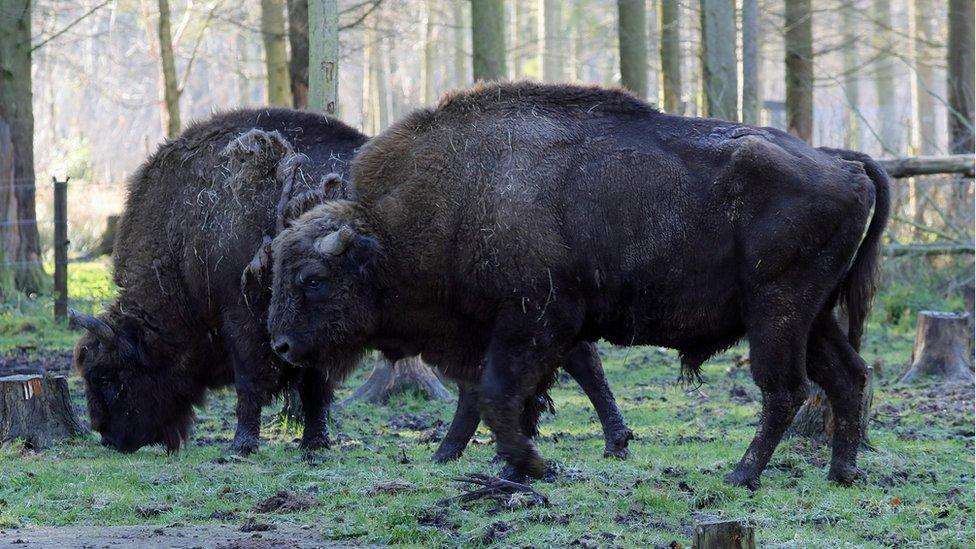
point(584, 99)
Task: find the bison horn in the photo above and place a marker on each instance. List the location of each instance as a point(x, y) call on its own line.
point(98, 328)
point(335, 243)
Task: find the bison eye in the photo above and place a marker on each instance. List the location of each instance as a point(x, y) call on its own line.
point(313, 282)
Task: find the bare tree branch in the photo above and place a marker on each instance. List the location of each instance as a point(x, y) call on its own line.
point(70, 25)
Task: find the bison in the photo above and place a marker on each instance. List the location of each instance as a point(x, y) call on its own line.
point(181, 324)
point(495, 232)
point(196, 213)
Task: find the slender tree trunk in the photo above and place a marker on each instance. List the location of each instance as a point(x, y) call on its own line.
point(632, 37)
point(751, 91)
point(960, 76)
point(298, 42)
point(653, 52)
point(323, 56)
point(799, 69)
point(8, 212)
point(550, 40)
point(430, 55)
point(720, 81)
point(171, 90)
point(852, 88)
point(375, 112)
point(488, 39)
point(461, 22)
point(889, 128)
point(277, 81)
point(924, 141)
point(671, 56)
point(515, 36)
point(16, 111)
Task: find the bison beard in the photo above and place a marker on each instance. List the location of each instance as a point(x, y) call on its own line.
point(496, 232)
point(195, 217)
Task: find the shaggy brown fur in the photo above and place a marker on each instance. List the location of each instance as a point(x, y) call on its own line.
point(516, 220)
point(195, 215)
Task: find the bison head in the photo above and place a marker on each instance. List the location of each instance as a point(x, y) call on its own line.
point(323, 302)
point(134, 398)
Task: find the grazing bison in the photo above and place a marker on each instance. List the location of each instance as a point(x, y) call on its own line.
point(516, 220)
point(196, 215)
point(194, 218)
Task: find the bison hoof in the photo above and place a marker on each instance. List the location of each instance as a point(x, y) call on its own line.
point(310, 444)
point(616, 446)
point(747, 480)
point(527, 461)
point(447, 454)
point(844, 474)
point(243, 447)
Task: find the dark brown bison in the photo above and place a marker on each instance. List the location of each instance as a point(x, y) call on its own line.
point(516, 220)
point(197, 212)
point(194, 217)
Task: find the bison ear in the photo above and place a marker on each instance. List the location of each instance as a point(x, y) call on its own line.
point(98, 328)
point(336, 242)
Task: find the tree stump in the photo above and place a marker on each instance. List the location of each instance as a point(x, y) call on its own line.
point(724, 534)
point(815, 419)
point(941, 348)
point(389, 378)
point(107, 243)
point(37, 409)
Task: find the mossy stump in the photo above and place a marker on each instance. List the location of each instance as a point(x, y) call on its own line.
point(941, 349)
point(37, 409)
point(389, 378)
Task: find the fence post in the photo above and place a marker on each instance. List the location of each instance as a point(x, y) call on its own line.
point(60, 248)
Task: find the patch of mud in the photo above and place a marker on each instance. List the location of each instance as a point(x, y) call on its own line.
point(285, 502)
point(183, 537)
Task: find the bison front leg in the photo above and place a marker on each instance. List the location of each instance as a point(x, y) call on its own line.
point(583, 363)
point(463, 426)
point(316, 394)
point(256, 375)
point(247, 437)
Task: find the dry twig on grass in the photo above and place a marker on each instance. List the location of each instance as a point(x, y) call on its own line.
point(507, 494)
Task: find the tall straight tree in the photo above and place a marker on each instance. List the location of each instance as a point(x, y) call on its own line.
point(17, 122)
point(960, 76)
point(719, 71)
point(375, 108)
point(890, 129)
point(298, 61)
point(632, 38)
point(460, 23)
point(277, 82)
point(924, 34)
point(751, 91)
point(171, 88)
point(488, 39)
point(430, 53)
point(323, 55)
point(852, 88)
point(671, 56)
point(550, 39)
point(799, 69)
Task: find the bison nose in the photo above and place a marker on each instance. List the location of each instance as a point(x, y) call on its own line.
point(281, 346)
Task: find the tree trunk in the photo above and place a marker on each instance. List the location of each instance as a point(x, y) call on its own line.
point(170, 86)
point(36, 409)
point(298, 62)
point(550, 40)
point(751, 91)
point(726, 534)
point(8, 213)
point(430, 55)
point(815, 419)
point(799, 69)
point(488, 40)
point(889, 128)
point(277, 81)
point(653, 52)
point(852, 88)
point(16, 111)
point(632, 36)
point(375, 114)
point(323, 56)
point(960, 78)
point(389, 378)
point(461, 22)
point(941, 348)
point(671, 56)
point(720, 81)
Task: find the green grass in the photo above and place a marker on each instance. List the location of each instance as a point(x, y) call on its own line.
point(918, 490)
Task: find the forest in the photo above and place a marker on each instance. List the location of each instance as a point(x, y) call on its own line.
point(156, 154)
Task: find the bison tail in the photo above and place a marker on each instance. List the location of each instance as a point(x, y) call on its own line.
point(860, 284)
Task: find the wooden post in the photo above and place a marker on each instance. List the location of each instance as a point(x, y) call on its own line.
point(61, 248)
point(724, 534)
point(941, 348)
